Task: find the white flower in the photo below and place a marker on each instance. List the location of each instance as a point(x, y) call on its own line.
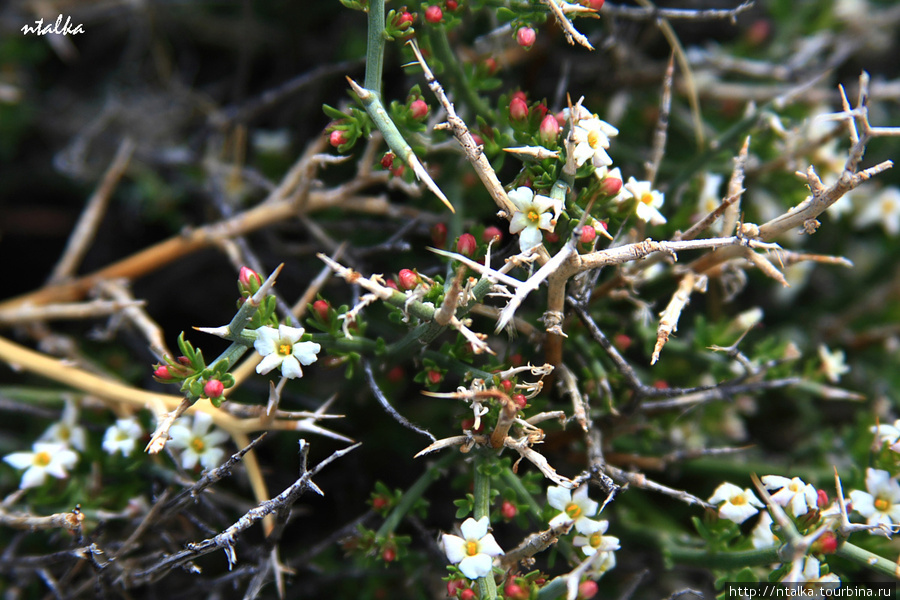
point(591, 141)
point(881, 505)
point(762, 535)
point(575, 507)
point(833, 363)
point(198, 443)
point(595, 541)
point(885, 207)
point(44, 459)
point(531, 216)
point(801, 496)
point(648, 201)
point(67, 431)
point(282, 347)
point(474, 551)
point(811, 573)
point(738, 505)
point(600, 564)
point(888, 434)
point(121, 437)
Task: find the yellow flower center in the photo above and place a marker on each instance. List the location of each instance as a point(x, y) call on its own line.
point(198, 445)
point(471, 548)
point(42, 459)
point(739, 500)
point(573, 510)
point(595, 540)
point(593, 139)
point(64, 433)
point(882, 505)
point(794, 487)
point(887, 207)
point(284, 349)
point(647, 198)
point(534, 216)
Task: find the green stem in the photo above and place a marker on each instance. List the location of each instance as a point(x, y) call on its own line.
point(457, 79)
point(375, 46)
point(487, 588)
point(432, 474)
point(879, 564)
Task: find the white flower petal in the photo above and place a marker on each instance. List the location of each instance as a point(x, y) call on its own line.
point(306, 352)
point(559, 497)
point(19, 460)
point(476, 566)
point(33, 477)
point(290, 368)
point(474, 530)
point(454, 547)
point(488, 545)
point(269, 362)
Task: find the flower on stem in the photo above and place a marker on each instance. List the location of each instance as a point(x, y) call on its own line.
point(762, 535)
point(737, 505)
point(418, 109)
point(122, 436)
point(648, 200)
point(594, 541)
point(67, 431)
point(518, 108)
point(833, 364)
point(474, 551)
point(880, 504)
point(198, 443)
point(592, 140)
point(810, 573)
point(282, 348)
point(434, 14)
point(466, 245)
point(44, 459)
point(888, 434)
point(885, 207)
point(802, 497)
point(575, 508)
point(248, 277)
point(532, 216)
point(549, 129)
point(338, 138)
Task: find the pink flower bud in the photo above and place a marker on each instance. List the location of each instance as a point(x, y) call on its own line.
point(588, 234)
point(403, 21)
point(439, 234)
point(407, 279)
point(433, 377)
point(213, 388)
point(434, 14)
point(247, 275)
point(549, 130)
point(514, 591)
point(321, 307)
point(518, 109)
point(520, 400)
point(490, 65)
point(418, 109)
point(587, 589)
point(390, 283)
point(491, 233)
point(466, 244)
point(594, 4)
point(525, 37)
point(387, 161)
point(452, 5)
point(821, 498)
point(338, 137)
point(508, 510)
point(467, 594)
point(610, 186)
point(162, 373)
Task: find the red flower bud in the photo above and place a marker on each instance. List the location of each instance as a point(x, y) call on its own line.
point(490, 233)
point(467, 594)
point(588, 234)
point(518, 110)
point(184, 360)
point(379, 503)
point(621, 341)
point(434, 14)
point(508, 510)
point(389, 554)
point(520, 400)
point(321, 307)
point(826, 544)
point(594, 4)
point(387, 161)
point(549, 130)
point(507, 385)
point(610, 186)
point(587, 589)
point(404, 20)
point(466, 245)
point(213, 388)
point(396, 375)
point(452, 5)
point(338, 137)
point(490, 65)
point(821, 499)
point(407, 279)
point(162, 373)
point(479, 141)
point(433, 377)
point(661, 384)
point(398, 171)
point(439, 234)
point(525, 37)
point(455, 586)
point(247, 275)
point(514, 591)
point(418, 109)
point(391, 284)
